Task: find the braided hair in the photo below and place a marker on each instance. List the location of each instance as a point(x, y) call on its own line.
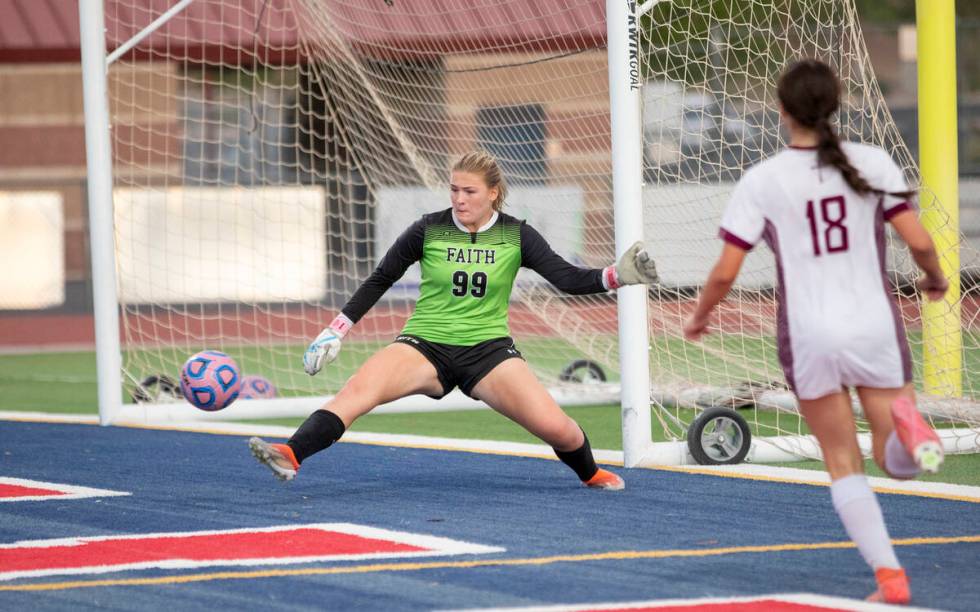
point(810, 93)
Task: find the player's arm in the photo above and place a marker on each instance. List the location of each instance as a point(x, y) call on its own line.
point(899, 211)
point(933, 284)
point(742, 225)
point(406, 250)
point(719, 282)
point(634, 267)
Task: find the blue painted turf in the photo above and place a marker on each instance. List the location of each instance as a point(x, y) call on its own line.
point(533, 508)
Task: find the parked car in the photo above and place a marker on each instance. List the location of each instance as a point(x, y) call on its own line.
point(693, 129)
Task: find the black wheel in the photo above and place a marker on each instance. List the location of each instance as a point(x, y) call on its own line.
point(719, 436)
point(154, 388)
point(582, 370)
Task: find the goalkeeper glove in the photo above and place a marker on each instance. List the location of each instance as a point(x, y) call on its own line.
point(326, 346)
point(633, 268)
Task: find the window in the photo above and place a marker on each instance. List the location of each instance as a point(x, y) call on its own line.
point(235, 130)
point(515, 135)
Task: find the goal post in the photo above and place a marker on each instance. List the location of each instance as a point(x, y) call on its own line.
point(623, 48)
point(938, 155)
point(98, 155)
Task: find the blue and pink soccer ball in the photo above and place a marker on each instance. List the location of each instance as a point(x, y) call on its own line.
point(210, 380)
point(257, 387)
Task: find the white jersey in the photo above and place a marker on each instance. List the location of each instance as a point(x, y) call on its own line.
point(837, 322)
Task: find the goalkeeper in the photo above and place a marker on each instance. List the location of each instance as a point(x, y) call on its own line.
point(458, 334)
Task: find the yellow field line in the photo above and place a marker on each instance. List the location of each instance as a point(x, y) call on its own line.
point(403, 567)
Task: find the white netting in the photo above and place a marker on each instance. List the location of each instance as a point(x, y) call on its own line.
point(268, 152)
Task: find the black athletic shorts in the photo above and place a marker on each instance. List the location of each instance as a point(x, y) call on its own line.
point(463, 366)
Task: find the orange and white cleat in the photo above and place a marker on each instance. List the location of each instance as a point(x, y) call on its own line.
point(604, 479)
point(893, 587)
point(918, 438)
point(277, 457)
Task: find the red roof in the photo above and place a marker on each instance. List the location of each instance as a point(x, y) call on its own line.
point(31, 29)
point(47, 30)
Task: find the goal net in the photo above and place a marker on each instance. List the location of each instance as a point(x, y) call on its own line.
point(268, 152)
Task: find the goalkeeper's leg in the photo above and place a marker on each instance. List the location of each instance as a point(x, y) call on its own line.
point(512, 389)
point(392, 373)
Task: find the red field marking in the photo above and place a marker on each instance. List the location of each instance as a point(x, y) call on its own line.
point(21, 490)
point(790, 602)
point(12, 491)
point(263, 546)
point(759, 605)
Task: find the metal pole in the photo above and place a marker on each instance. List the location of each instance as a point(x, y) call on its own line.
point(98, 151)
point(942, 334)
point(622, 25)
point(150, 29)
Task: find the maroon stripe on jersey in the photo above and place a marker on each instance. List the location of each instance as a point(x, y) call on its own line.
point(783, 343)
point(894, 210)
point(903, 343)
point(734, 240)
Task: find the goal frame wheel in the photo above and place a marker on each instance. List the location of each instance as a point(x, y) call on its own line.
point(593, 372)
point(719, 436)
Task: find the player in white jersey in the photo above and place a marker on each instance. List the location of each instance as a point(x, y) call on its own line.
point(821, 206)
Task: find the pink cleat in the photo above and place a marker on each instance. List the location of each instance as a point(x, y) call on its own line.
point(893, 587)
point(917, 436)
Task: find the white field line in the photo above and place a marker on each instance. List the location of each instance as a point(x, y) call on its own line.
point(611, 457)
point(823, 602)
point(66, 491)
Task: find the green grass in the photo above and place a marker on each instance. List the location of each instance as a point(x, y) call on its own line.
point(66, 383)
point(69, 378)
point(49, 382)
point(602, 422)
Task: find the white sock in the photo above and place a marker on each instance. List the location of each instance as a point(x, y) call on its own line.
point(858, 509)
point(898, 462)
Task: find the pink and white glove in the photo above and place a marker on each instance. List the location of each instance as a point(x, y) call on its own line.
point(326, 346)
point(635, 267)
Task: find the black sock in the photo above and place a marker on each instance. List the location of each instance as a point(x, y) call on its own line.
point(580, 460)
point(317, 432)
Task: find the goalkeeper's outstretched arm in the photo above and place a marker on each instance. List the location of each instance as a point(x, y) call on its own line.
point(406, 250)
point(634, 267)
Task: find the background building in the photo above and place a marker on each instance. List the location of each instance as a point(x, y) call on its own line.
point(42, 144)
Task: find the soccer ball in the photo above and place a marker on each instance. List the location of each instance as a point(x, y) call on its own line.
point(210, 380)
point(257, 387)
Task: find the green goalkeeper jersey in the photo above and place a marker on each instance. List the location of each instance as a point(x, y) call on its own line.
point(467, 277)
